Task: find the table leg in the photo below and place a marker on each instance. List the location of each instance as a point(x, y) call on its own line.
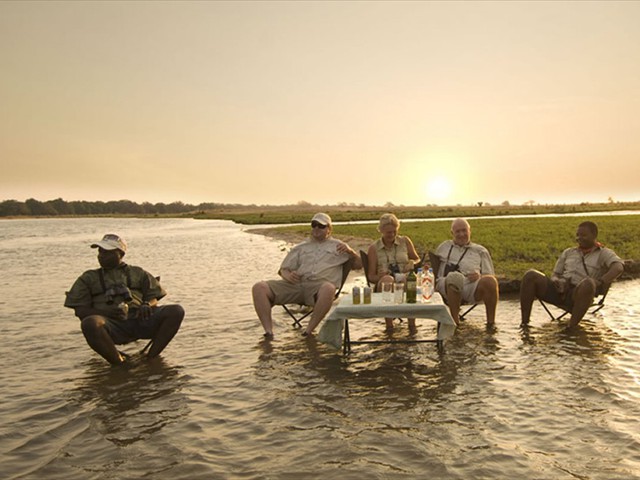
point(346, 344)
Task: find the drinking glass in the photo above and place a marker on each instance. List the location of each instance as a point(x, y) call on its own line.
point(398, 292)
point(387, 292)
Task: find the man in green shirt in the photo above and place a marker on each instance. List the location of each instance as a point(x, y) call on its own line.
point(118, 303)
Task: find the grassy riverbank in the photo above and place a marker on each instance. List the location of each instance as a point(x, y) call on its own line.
point(253, 215)
point(516, 244)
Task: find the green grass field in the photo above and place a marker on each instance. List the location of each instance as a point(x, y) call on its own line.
point(253, 215)
point(516, 244)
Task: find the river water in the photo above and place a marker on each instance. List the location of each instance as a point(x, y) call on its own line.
point(220, 403)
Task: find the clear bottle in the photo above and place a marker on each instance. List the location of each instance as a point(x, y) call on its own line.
point(410, 287)
point(428, 286)
point(419, 281)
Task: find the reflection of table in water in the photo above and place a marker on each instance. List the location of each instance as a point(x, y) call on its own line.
point(331, 331)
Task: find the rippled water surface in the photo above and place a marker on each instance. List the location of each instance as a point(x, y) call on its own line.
point(220, 403)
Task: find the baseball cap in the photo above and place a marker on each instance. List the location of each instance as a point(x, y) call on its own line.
point(322, 218)
point(111, 241)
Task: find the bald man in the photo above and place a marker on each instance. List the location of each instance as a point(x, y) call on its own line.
point(466, 272)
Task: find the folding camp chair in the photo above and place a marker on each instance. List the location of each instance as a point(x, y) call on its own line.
point(434, 260)
point(596, 305)
point(308, 309)
point(365, 265)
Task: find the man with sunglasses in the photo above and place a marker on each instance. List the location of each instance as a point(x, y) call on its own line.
point(118, 303)
point(580, 274)
point(311, 272)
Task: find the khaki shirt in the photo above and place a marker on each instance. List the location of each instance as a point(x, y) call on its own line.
point(477, 258)
point(398, 254)
point(90, 291)
point(314, 260)
point(575, 266)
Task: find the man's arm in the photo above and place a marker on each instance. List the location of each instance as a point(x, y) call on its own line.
point(615, 270)
point(486, 263)
point(289, 267)
point(355, 258)
point(558, 269)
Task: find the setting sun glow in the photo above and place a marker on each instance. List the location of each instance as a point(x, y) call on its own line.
point(438, 189)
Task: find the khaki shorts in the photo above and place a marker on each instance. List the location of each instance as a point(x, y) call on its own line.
point(303, 293)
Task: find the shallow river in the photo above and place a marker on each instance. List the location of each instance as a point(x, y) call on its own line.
point(220, 403)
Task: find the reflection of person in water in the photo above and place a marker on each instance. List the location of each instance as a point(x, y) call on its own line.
point(131, 404)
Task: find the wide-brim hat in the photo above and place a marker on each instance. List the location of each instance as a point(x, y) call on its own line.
point(111, 241)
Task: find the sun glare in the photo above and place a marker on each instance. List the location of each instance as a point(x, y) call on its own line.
point(438, 189)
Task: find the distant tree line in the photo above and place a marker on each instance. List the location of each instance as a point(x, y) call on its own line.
point(50, 208)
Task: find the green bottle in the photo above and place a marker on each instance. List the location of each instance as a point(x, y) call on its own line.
point(411, 287)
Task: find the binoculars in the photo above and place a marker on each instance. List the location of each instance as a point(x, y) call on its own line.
point(117, 291)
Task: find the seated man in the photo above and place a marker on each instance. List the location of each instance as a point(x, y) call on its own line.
point(581, 273)
point(311, 272)
point(466, 272)
point(118, 303)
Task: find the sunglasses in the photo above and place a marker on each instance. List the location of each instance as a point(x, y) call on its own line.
point(318, 225)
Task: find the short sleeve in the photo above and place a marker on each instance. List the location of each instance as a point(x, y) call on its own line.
point(80, 293)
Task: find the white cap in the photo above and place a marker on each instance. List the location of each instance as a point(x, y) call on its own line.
point(322, 218)
point(111, 241)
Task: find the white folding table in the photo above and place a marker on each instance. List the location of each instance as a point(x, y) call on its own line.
point(338, 320)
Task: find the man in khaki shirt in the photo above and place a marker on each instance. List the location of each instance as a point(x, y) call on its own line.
point(311, 272)
point(466, 273)
point(580, 274)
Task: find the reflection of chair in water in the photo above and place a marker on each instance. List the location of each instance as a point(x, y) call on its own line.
point(434, 260)
point(596, 305)
point(303, 311)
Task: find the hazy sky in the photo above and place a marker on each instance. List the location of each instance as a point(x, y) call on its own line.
point(278, 102)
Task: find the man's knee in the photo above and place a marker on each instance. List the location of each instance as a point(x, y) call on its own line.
point(174, 313)
point(91, 324)
point(487, 288)
point(534, 283)
point(586, 287)
point(262, 290)
point(326, 291)
point(532, 277)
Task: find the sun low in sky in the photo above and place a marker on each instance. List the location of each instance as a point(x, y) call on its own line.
point(412, 103)
point(438, 190)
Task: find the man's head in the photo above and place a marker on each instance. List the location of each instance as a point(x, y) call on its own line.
point(461, 232)
point(320, 226)
point(587, 234)
point(111, 249)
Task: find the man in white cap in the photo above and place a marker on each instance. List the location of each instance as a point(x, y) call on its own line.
point(118, 303)
point(311, 272)
point(466, 272)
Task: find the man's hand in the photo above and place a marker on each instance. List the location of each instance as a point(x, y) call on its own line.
point(473, 276)
point(344, 248)
point(144, 311)
point(290, 276)
point(560, 283)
